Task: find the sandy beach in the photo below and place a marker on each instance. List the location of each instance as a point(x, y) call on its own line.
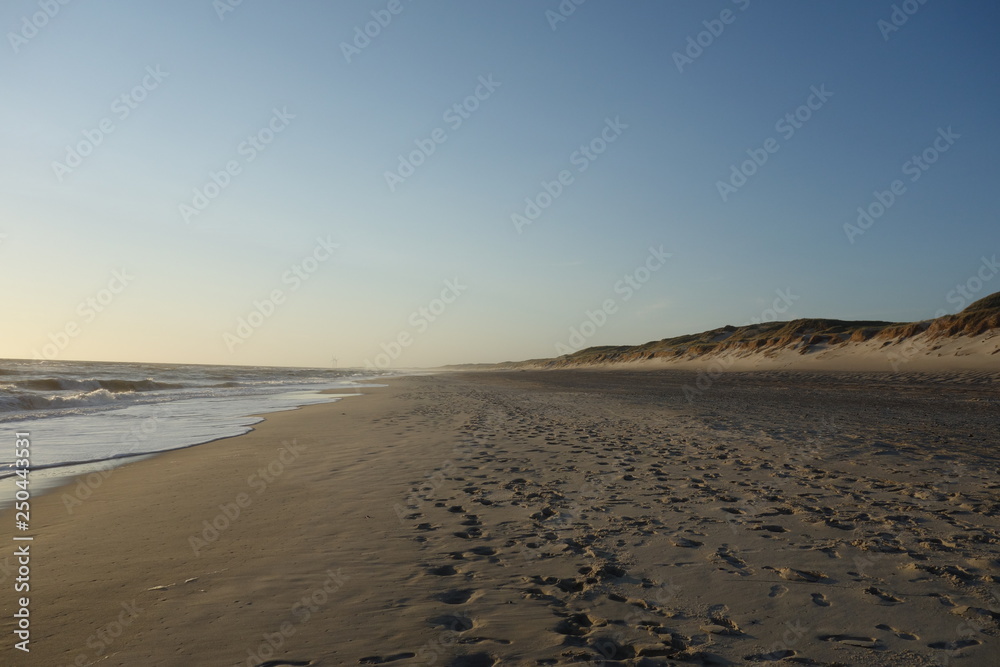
point(500, 334)
point(544, 518)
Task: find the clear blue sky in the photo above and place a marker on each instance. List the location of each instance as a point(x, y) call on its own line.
point(554, 86)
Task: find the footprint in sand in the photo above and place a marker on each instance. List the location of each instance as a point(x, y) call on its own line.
point(773, 656)
point(882, 595)
point(453, 622)
point(792, 574)
point(474, 660)
point(956, 575)
point(902, 634)
point(370, 660)
point(611, 571)
point(721, 626)
point(851, 640)
point(732, 559)
point(777, 591)
point(442, 570)
point(954, 645)
point(686, 543)
point(472, 533)
point(572, 585)
point(483, 551)
point(576, 625)
point(820, 600)
point(772, 528)
point(456, 596)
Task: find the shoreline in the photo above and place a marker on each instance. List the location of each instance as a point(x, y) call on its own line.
point(469, 519)
point(56, 474)
point(279, 441)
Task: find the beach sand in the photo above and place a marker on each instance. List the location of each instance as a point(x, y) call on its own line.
point(544, 518)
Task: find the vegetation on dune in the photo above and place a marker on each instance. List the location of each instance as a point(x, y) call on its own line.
point(804, 336)
point(991, 303)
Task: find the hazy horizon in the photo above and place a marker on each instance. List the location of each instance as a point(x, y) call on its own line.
point(269, 185)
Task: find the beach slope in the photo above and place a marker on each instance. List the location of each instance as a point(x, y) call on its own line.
point(544, 518)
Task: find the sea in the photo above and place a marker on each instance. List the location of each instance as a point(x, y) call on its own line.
point(89, 416)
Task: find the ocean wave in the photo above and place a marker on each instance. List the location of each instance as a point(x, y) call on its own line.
point(30, 401)
point(114, 386)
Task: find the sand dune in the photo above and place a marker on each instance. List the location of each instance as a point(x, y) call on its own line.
point(967, 340)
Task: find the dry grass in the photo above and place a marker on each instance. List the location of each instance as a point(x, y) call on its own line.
point(804, 336)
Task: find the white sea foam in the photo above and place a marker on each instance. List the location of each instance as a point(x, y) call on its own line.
point(83, 411)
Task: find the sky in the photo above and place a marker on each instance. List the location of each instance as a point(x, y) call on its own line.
point(412, 183)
